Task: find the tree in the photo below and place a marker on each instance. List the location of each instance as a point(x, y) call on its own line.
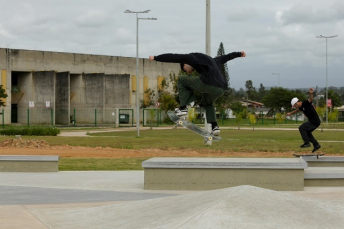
point(224, 69)
point(261, 92)
point(333, 116)
point(238, 118)
point(251, 91)
point(3, 95)
point(253, 119)
point(240, 94)
point(336, 101)
point(280, 117)
point(278, 98)
point(222, 103)
point(321, 110)
point(237, 107)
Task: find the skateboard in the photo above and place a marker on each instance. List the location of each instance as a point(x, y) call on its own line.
point(308, 155)
point(189, 125)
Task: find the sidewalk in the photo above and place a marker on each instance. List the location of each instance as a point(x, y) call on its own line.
point(97, 199)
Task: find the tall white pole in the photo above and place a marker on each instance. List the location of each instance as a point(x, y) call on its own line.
point(207, 30)
point(137, 68)
point(137, 78)
point(321, 36)
point(326, 86)
point(208, 52)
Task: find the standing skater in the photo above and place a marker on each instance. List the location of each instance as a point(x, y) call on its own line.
point(313, 122)
point(211, 83)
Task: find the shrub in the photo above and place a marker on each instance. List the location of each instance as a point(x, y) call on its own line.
point(30, 131)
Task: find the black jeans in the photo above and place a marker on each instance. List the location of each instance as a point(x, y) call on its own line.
point(306, 130)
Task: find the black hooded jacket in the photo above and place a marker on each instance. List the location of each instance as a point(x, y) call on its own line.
point(209, 68)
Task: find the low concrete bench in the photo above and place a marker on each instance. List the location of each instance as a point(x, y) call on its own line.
point(325, 161)
point(324, 177)
point(22, 163)
point(280, 174)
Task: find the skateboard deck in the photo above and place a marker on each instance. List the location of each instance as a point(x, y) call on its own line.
point(308, 155)
point(196, 129)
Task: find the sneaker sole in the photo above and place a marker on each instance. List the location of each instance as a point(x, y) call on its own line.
point(216, 133)
point(181, 115)
point(314, 150)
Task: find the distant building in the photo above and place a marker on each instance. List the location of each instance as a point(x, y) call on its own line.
point(54, 84)
point(251, 104)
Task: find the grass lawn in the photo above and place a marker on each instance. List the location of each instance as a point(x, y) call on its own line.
point(332, 142)
point(100, 164)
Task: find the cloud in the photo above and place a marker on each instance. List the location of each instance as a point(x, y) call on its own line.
point(308, 14)
point(241, 13)
point(5, 33)
point(93, 18)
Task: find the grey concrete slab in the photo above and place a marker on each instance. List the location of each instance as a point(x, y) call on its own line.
point(324, 173)
point(218, 163)
point(325, 161)
point(16, 195)
point(237, 207)
point(183, 173)
point(124, 181)
point(24, 163)
point(28, 158)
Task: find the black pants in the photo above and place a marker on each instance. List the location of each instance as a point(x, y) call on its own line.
point(306, 130)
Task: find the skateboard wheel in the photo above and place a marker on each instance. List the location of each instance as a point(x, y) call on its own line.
point(180, 122)
point(210, 138)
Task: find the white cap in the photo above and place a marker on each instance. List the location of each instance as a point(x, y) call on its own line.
point(293, 101)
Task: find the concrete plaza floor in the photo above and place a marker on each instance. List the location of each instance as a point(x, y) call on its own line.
point(116, 199)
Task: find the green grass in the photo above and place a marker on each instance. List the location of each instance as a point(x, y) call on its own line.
point(233, 140)
point(100, 164)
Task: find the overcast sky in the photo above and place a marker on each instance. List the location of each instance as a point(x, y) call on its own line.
point(277, 36)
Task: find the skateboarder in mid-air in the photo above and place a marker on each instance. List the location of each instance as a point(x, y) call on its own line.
point(313, 122)
point(211, 83)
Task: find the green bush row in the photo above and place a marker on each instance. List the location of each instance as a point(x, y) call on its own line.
point(30, 131)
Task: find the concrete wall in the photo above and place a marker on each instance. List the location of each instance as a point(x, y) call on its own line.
point(62, 98)
point(25, 84)
point(43, 88)
point(112, 70)
point(117, 95)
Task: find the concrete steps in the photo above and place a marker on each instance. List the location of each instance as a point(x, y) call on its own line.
point(280, 174)
point(324, 172)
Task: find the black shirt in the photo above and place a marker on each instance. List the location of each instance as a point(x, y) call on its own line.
point(209, 68)
point(308, 109)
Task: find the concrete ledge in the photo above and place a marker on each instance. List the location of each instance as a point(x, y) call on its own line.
point(22, 163)
point(279, 174)
point(324, 177)
point(326, 161)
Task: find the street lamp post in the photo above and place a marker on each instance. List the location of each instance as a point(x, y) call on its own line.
point(278, 78)
point(137, 66)
point(321, 36)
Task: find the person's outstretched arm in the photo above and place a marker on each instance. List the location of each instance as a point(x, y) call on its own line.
point(230, 56)
point(311, 90)
point(292, 112)
point(172, 58)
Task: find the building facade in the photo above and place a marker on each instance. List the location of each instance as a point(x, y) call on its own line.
point(55, 86)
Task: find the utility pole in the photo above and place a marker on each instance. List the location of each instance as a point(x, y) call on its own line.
point(207, 30)
point(326, 37)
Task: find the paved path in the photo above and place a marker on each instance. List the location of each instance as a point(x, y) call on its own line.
point(116, 198)
point(82, 133)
